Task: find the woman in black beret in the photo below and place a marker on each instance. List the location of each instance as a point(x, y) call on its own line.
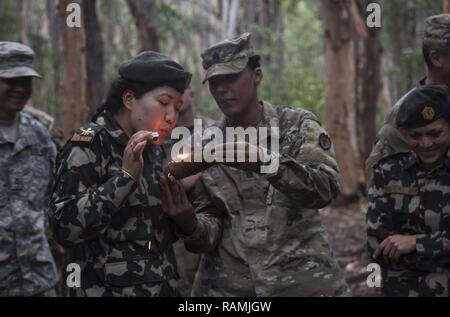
point(408, 219)
point(106, 204)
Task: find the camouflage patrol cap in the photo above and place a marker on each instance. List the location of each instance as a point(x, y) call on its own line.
point(424, 105)
point(16, 60)
point(227, 57)
point(155, 69)
point(437, 30)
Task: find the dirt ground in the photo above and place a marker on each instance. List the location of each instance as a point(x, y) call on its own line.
point(347, 236)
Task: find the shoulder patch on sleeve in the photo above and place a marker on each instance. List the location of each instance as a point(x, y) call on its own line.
point(325, 141)
point(86, 133)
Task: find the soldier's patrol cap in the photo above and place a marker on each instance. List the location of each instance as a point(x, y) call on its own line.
point(16, 60)
point(437, 30)
point(424, 105)
point(227, 57)
point(155, 69)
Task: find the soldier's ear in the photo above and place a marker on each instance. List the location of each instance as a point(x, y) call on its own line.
point(257, 75)
point(127, 99)
point(436, 59)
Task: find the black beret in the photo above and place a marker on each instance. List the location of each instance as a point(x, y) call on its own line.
point(424, 105)
point(155, 69)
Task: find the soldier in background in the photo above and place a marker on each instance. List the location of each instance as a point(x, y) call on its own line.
point(27, 157)
point(436, 54)
point(187, 262)
point(408, 218)
point(259, 234)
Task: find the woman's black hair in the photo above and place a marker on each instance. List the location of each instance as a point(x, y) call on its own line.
point(114, 100)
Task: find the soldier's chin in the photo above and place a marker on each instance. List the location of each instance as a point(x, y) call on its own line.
point(431, 159)
point(16, 105)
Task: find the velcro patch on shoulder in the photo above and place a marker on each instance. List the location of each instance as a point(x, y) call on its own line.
point(84, 135)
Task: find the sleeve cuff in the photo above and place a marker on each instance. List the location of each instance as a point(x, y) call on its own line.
point(421, 249)
point(194, 236)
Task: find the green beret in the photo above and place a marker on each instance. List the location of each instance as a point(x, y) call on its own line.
point(424, 105)
point(155, 69)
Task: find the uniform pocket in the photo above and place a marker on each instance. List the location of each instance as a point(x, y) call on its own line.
point(134, 272)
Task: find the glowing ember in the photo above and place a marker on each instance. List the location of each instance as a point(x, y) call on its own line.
point(181, 157)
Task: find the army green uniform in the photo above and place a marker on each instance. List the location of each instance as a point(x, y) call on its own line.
point(113, 227)
point(406, 198)
point(261, 234)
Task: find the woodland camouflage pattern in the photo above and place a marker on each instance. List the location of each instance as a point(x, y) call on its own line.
point(405, 198)
point(261, 234)
point(111, 226)
point(26, 264)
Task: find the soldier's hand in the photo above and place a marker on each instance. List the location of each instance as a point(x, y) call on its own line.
point(395, 246)
point(133, 162)
point(176, 204)
point(190, 181)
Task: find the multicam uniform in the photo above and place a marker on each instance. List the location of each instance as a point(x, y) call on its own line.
point(408, 199)
point(261, 234)
point(111, 226)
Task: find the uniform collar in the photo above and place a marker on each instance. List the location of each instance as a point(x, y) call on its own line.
point(269, 117)
point(113, 128)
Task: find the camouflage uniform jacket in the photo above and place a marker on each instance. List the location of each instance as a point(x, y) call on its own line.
point(261, 234)
point(111, 226)
point(26, 264)
point(408, 199)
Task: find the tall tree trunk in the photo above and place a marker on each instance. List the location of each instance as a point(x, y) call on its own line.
point(233, 18)
point(24, 20)
point(352, 57)
point(278, 26)
point(250, 22)
point(446, 6)
point(145, 13)
point(95, 60)
point(54, 23)
point(369, 83)
point(74, 77)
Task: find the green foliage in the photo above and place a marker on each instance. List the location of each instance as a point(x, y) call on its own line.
point(300, 82)
point(10, 20)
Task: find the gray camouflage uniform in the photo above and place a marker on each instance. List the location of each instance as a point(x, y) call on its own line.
point(26, 164)
point(26, 264)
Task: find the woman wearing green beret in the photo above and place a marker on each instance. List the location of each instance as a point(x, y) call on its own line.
point(408, 219)
point(106, 209)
